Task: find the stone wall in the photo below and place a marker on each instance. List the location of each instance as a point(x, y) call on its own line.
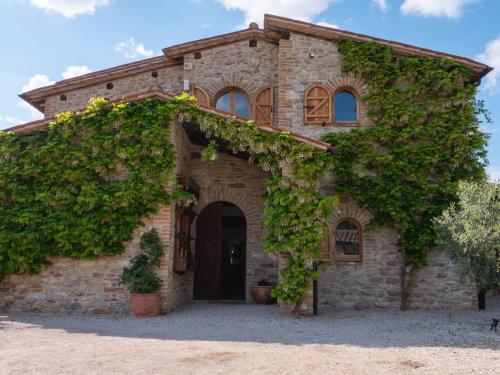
point(372, 282)
point(437, 286)
point(85, 286)
point(375, 280)
point(169, 79)
point(248, 68)
point(306, 61)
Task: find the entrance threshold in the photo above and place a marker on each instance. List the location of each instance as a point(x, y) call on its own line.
point(227, 301)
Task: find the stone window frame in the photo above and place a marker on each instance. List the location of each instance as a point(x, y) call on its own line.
point(347, 258)
point(234, 89)
point(354, 92)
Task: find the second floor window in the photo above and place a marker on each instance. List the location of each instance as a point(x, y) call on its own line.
point(345, 107)
point(233, 101)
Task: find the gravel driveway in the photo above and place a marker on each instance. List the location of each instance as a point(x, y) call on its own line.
point(200, 338)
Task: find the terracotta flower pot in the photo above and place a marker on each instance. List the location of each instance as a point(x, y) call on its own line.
point(261, 294)
point(144, 305)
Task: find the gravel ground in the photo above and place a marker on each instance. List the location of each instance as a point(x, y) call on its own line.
point(201, 338)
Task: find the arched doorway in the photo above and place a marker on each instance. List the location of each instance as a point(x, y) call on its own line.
point(220, 261)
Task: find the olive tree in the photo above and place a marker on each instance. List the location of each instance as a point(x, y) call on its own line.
point(469, 233)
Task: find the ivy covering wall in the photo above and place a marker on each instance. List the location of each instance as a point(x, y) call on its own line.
point(81, 186)
point(425, 138)
point(63, 191)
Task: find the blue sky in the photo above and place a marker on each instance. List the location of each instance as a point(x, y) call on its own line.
point(42, 41)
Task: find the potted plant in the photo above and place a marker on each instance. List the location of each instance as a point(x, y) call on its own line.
point(261, 293)
point(141, 278)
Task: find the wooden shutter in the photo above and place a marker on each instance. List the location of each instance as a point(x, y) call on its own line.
point(264, 106)
point(201, 96)
point(325, 248)
point(318, 105)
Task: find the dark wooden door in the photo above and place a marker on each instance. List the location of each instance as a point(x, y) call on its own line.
point(208, 244)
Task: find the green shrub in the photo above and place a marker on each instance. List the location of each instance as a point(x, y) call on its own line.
point(140, 276)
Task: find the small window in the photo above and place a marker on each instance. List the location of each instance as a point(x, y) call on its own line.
point(345, 107)
point(233, 101)
point(347, 241)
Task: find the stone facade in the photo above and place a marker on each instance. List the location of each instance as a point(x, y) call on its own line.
point(235, 65)
point(437, 286)
point(85, 286)
point(169, 79)
point(372, 282)
point(303, 62)
point(291, 67)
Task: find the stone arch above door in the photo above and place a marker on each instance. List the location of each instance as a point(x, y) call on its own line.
point(225, 193)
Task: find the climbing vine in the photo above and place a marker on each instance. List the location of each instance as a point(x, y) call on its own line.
point(425, 138)
point(81, 186)
point(295, 211)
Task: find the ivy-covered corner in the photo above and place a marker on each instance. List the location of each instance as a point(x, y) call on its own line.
point(425, 138)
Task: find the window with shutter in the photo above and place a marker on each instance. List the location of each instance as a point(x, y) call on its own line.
point(318, 105)
point(264, 106)
point(201, 96)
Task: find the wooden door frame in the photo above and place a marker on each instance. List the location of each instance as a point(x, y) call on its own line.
point(219, 252)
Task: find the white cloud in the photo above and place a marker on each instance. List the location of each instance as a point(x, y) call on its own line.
point(494, 173)
point(436, 8)
point(132, 50)
point(491, 57)
point(327, 24)
point(382, 4)
point(37, 81)
point(10, 121)
point(35, 113)
point(298, 9)
point(75, 71)
point(70, 8)
point(42, 80)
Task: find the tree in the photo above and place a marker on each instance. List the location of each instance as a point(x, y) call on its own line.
point(469, 233)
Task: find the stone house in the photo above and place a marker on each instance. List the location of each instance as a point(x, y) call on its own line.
point(287, 76)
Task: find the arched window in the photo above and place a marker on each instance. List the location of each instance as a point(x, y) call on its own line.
point(345, 107)
point(234, 101)
point(347, 235)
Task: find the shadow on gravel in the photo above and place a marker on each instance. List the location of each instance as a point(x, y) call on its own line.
point(200, 321)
